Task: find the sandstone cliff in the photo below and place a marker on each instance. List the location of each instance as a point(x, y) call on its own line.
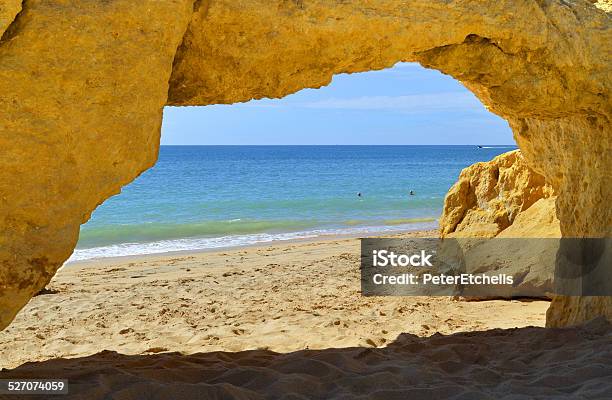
point(83, 85)
point(8, 12)
point(605, 5)
point(504, 198)
point(490, 196)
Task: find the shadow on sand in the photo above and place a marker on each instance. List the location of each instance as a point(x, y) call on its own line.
point(520, 363)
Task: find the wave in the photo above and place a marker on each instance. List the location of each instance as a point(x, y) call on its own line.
point(205, 243)
point(97, 236)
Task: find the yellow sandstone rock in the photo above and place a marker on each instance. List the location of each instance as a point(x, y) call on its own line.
point(489, 196)
point(605, 5)
point(82, 87)
point(538, 221)
point(567, 311)
point(83, 84)
point(504, 198)
point(8, 11)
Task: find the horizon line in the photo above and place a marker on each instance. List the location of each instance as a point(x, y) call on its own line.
point(338, 145)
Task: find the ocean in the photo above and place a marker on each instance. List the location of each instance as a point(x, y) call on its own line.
point(204, 197)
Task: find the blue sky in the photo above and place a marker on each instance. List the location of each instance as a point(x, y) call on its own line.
point(406, 104)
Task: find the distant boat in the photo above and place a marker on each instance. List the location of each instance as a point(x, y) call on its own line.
point(479, 146)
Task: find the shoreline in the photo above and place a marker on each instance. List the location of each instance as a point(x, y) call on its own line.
point(322, 238)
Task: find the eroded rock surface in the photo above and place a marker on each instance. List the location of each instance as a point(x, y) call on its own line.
point(82, 87)
point(8, 11)
point(490, 196)
point(504, 198)
point(83, 83)
point(572, 310)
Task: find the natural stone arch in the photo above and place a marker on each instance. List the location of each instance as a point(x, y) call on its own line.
point(83, 84)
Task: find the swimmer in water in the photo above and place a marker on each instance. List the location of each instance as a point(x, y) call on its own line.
point(412, 193)
point(358, 194)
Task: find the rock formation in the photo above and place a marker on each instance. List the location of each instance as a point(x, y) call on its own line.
point(490, 196)
point(83, 85)
point(8, 11)
point(504, 198)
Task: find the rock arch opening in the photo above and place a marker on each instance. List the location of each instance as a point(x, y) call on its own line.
point(82, 114)
point(267, 189)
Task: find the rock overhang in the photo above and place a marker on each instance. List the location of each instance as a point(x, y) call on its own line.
point(83, 85)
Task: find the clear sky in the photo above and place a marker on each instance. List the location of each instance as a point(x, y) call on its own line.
point(406, 104)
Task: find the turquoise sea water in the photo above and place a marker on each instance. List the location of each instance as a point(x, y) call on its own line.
point(199, 197)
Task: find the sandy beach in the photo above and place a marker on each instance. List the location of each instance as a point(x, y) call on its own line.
point(283, 297)
point(239, 311)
